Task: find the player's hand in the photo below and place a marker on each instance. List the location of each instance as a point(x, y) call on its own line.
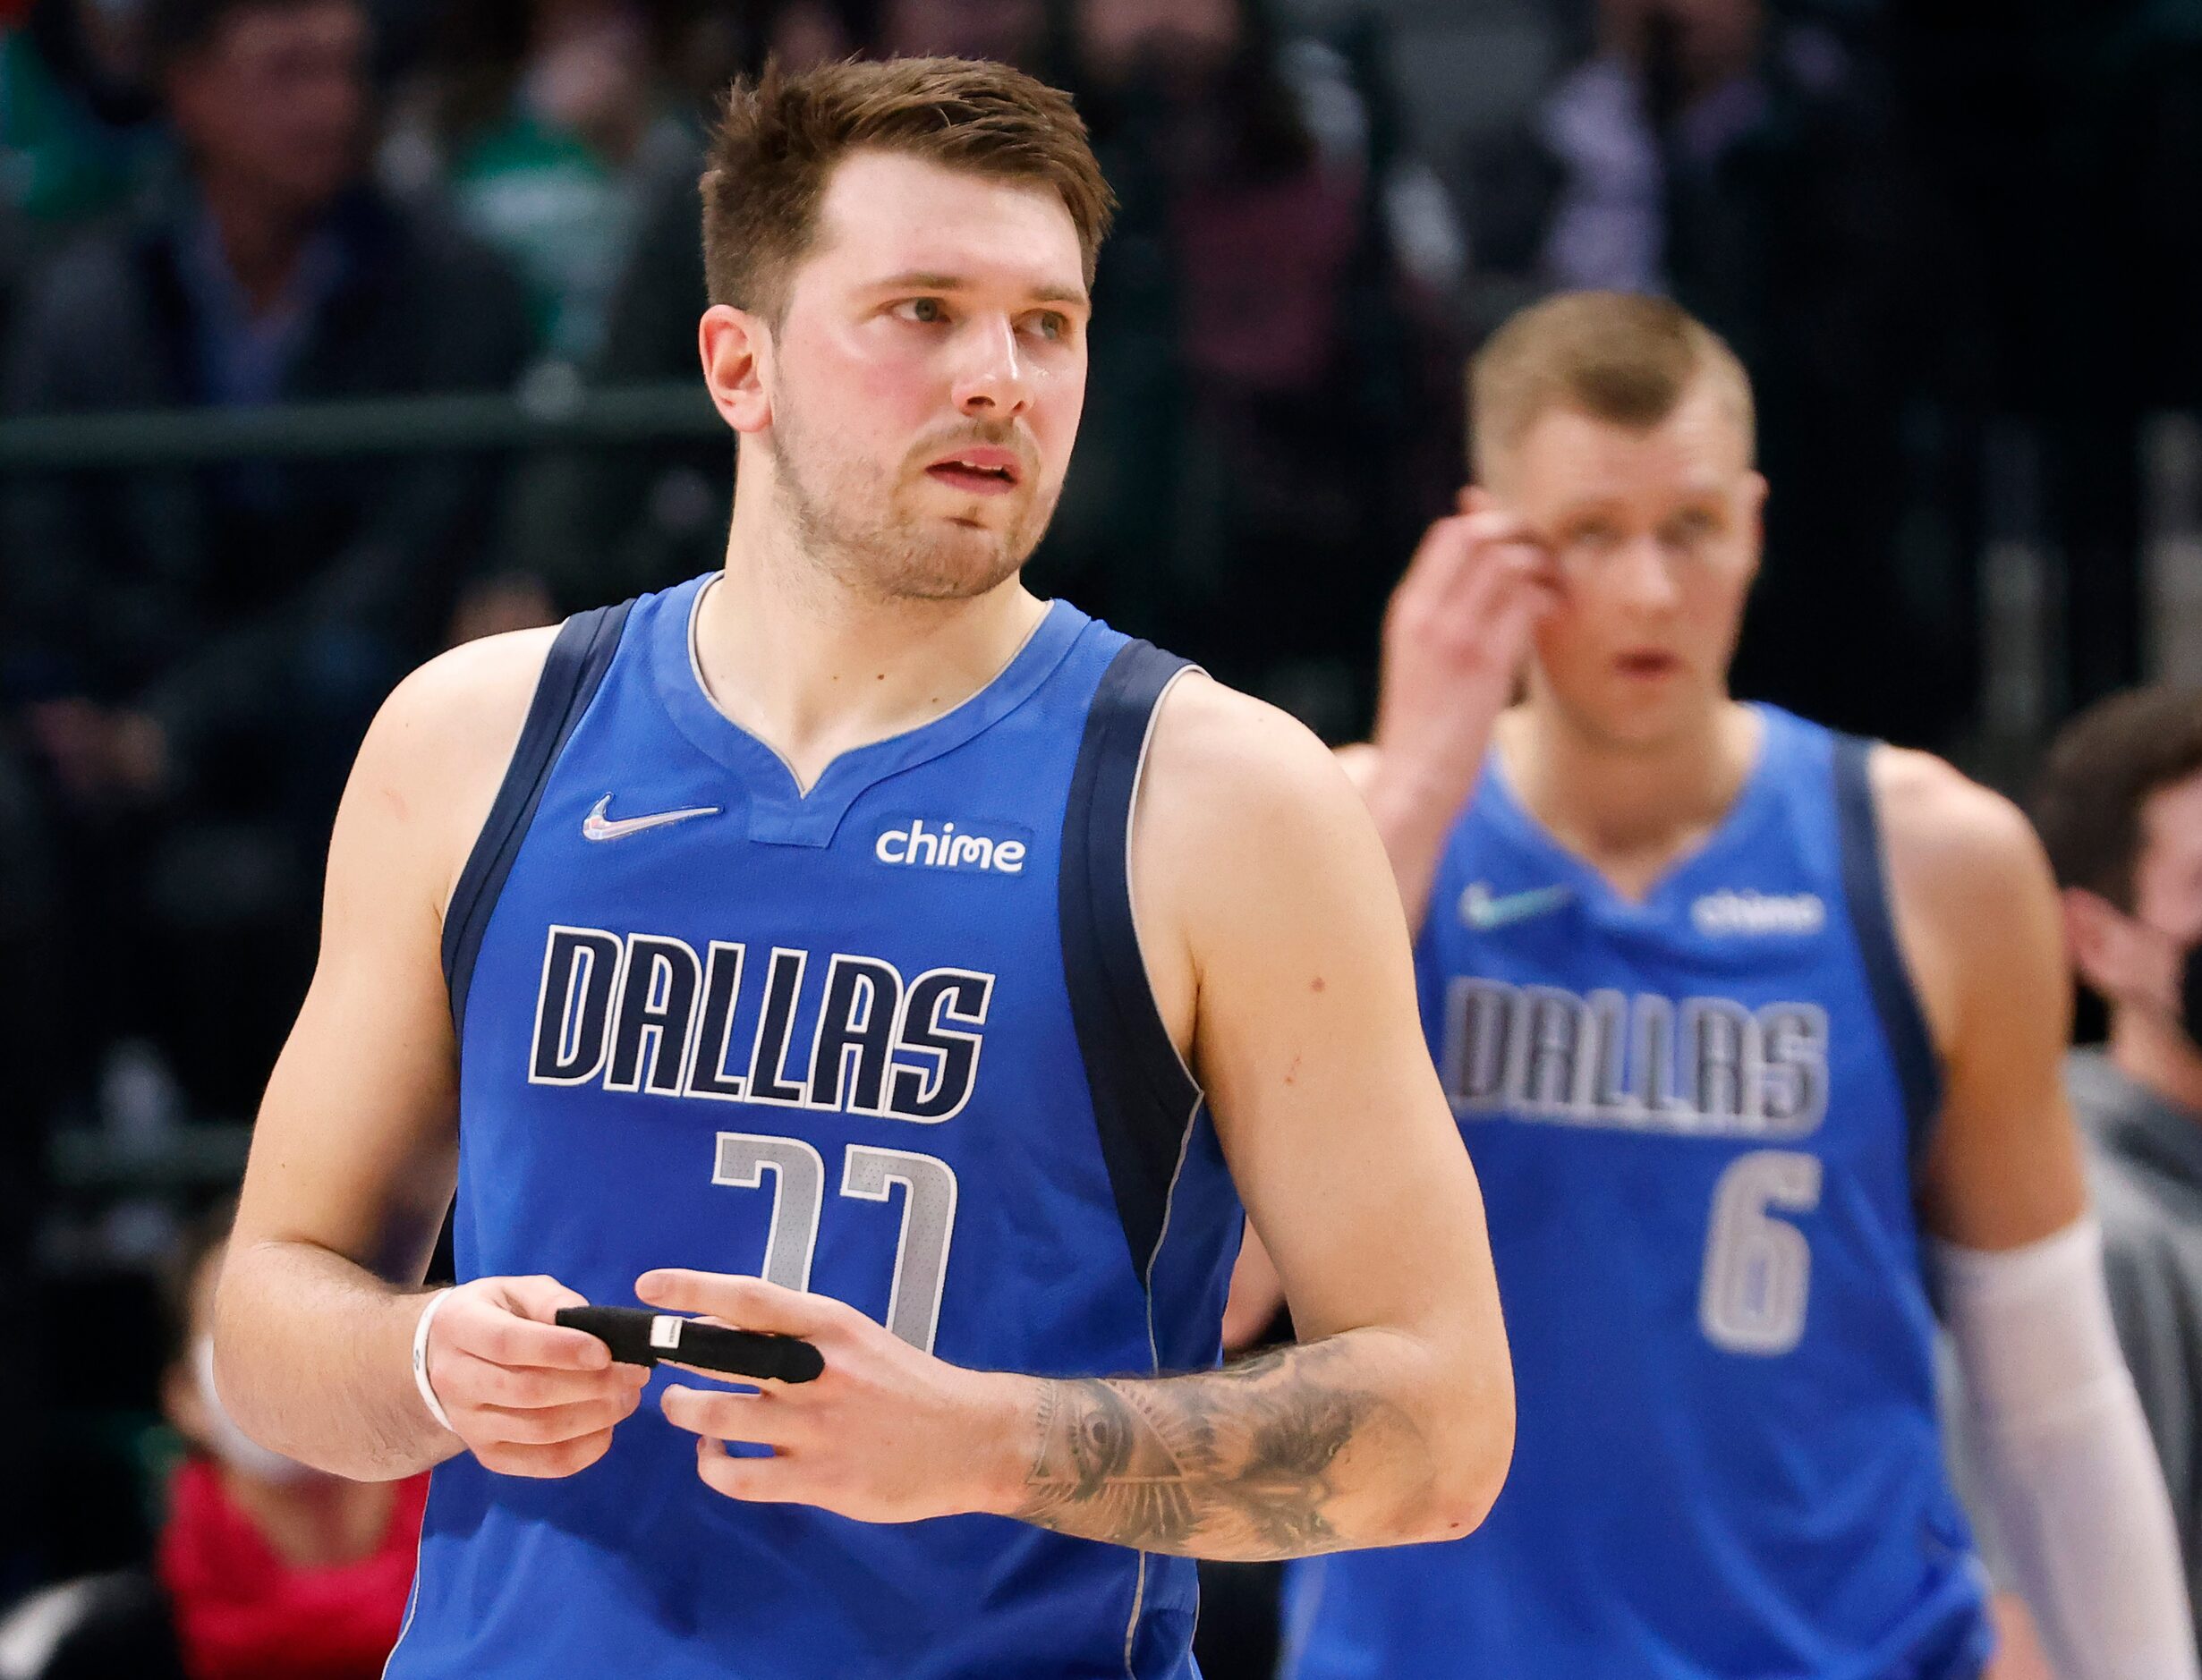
point(887, 1434)
point(527, 1396)
point(1455, 637)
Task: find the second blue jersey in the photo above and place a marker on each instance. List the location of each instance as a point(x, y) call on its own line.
point(1696, 1119)
point(888, 1038)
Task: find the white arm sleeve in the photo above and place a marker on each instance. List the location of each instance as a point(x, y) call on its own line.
point(2078, 1496)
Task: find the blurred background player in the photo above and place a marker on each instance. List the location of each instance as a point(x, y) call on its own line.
point(2118, 808)
point(1750, 1027)
point(818, 872)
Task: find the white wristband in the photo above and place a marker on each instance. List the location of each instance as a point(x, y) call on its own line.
point(420, 1360)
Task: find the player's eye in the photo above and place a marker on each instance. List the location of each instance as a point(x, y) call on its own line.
point(1052, 325)
point(924, 311)
point(1688, 529)
point(1594, 536)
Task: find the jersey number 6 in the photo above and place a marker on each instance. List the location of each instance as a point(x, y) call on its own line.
point(1758, 1268)
point(867, 1175)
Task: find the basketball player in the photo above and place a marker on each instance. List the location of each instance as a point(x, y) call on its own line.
point(767, 949)
point(1748, 1026)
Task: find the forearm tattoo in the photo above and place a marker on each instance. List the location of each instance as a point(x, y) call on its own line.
point(1239, 1463)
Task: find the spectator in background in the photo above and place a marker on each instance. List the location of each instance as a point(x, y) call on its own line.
point(1271, 408)
point(79, 128)
point(2119, 807)
point(549, 121)
point(200, 650)
point(1008, 31)
point(264, 1567)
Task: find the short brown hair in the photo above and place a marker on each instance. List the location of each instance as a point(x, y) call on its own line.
point(1612, 355)
point(2100, 771)
point(782, 135)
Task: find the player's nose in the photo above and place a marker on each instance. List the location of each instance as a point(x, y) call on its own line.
point(991, 376)
point(1644, 574)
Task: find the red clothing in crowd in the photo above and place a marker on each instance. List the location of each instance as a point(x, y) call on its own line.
point(241, 1613)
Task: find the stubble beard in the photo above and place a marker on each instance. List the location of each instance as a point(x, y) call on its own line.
point(868, 543)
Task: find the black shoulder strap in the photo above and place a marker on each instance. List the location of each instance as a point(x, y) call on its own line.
point(1144, 1100)
point(578, 660)
point(1865, 887)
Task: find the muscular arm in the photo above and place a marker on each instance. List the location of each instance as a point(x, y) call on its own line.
point(355, 1146)
point(1977, 917)
point(1250, 1462)
point(1275, 943)
point(2063, 1450)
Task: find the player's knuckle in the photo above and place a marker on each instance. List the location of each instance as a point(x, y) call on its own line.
point(483, 1383)
point(534, 1429)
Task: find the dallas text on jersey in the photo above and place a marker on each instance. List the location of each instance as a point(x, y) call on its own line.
point(645, 1013)
point(1706, 1066)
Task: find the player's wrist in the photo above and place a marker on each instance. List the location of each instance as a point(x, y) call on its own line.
point(1006, 1410)
point(423, 1329)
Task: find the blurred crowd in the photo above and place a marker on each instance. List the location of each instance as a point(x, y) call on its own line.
point(1922, 225)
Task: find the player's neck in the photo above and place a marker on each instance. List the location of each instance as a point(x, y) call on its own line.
point(1630, 811)
point(814, 671)
point(2156, 1054)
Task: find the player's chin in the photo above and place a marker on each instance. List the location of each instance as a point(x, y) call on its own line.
point(963, 564)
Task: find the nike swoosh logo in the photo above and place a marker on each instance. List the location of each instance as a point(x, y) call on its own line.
point(596, 826)
point(1483, 912)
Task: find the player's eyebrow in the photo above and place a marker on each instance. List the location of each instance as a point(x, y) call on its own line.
point(925, 280)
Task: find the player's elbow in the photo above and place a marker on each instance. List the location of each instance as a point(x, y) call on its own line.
point(1469, 1426)
point(235, 1367)
point(1478, 1473)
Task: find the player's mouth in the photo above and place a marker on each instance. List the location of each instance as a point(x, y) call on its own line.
point(1647, 665)
point(979, 470)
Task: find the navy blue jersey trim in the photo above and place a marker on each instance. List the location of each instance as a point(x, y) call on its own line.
point(1144, 1099)
point(575, 667)
point(1864, 887)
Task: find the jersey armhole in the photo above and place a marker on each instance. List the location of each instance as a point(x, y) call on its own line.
point(572, 673)
point(1145, 1098)
point(1873, 924)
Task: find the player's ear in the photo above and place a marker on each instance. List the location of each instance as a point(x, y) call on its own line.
point(737, 348)
point(2099, 940)
point(1754, 492)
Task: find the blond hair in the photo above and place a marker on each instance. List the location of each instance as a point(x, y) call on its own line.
point(1614, 356)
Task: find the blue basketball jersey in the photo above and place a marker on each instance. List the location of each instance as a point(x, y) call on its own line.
point(888, 1040)
point(1696, 1120)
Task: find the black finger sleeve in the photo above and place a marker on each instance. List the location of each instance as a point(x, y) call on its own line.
point(639, 1337)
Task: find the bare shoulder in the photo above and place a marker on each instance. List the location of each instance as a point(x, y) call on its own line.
point(1949, 835)
point(1225, 770)
point(472, 689)
point(1243, 811)
point(433, 759)
point(1974, 902)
